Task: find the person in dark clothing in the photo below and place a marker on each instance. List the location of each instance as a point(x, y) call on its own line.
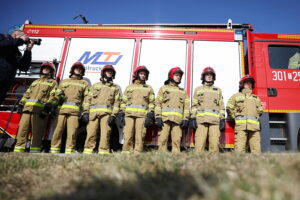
point(11, 58)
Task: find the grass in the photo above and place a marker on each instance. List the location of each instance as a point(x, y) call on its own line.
point(150, 175)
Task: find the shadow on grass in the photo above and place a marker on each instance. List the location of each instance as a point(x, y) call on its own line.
point(159, 185)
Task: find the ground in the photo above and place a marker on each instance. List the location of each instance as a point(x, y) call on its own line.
point(150, 175)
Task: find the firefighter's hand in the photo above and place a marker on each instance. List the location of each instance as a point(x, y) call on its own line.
point(85, 118)
point(29, 45)
point(111, 120)
point(20, 109)
point(46, 111)
point(121, 119)
point(193, 123)
point(43, 114)
point(184, 124)
point(159, 122)
point(222, 125)
point(149, 119)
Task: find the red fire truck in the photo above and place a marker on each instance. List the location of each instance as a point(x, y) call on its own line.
point(233, 50)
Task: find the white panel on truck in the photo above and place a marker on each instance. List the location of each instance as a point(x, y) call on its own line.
point(95, 53)
point(50, 48)
point(224, 57)
point(159, 56)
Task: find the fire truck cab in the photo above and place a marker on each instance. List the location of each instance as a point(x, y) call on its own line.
point(233, 50)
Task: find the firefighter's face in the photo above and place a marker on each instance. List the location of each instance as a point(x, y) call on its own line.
point(248, 85)
point(208, 77)
point(46, 70)
point(142, 75)
point(108, 73)
point(77, 70)
point(177, 77)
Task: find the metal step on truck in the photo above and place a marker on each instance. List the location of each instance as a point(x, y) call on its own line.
point(233, 50)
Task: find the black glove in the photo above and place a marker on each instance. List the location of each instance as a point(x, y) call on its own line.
point(46, 111)
point(61, 98)
point(184, 124)
point(20, 109)
point(111, 120)
point(149, 119)
point(84, 117)
point(121, 119)
point(159, 122)
point(193, 123)
point(222, 125)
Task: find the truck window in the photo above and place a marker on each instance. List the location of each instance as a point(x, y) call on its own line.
point(284, 57)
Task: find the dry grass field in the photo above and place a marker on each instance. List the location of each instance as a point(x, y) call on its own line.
point(150, 175)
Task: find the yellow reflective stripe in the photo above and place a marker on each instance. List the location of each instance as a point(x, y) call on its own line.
point(239, 98)
point(244, 121)
point(19, 149)
point(69, 151)
point(101, 109)
point(207, 113)
point(37, 104)
point(88, 151)
point(70, 106)
point(229, 105)
point(159, 97)
point(45, 83)
point(136, 110)
point(35, 150)
point(54, 150)
point(71, 83)
point(172, 113)
point(203, 90)
point(103, 153)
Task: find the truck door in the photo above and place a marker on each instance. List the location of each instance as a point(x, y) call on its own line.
point(283, 76)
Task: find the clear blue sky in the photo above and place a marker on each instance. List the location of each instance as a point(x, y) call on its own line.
point(265, 15)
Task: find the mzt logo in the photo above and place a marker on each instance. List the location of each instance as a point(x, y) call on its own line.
point(92, 62)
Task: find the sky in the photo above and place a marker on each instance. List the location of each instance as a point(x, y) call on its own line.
point(267, 16)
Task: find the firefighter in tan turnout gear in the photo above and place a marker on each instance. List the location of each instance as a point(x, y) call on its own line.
point(102, 106)
point(137, 111)
point(246, 108)
point(171, 111)
point(36, 105)
point(208, 112)
point(71, 93)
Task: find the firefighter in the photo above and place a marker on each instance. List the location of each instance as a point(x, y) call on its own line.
point(71, 93)
point(102, 107)
point(36, 105)
point(171, 111)
point(246, 108)
point(208, 112)
point(137, 111)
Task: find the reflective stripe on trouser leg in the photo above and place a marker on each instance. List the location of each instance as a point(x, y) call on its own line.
point(38, 131)
point(201, 137)
point(105, 132)
point(72, 126)
point(59, 129)
point(176, 134)
point(128, 134)
point(214, 137)
point(90, 141)
point(254, 141)
point(24, 128)
point(240, 141)
point(163, 136)
point(140, 133)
